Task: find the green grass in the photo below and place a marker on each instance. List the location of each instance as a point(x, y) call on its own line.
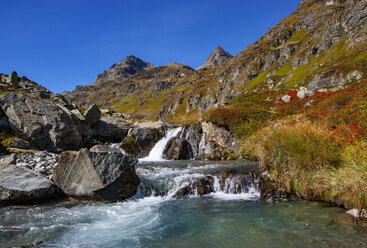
point(258, 79)
point(284, 70)
point(297, 36)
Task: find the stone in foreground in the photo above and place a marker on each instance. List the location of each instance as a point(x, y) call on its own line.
point(19, 185)
point(102, 174)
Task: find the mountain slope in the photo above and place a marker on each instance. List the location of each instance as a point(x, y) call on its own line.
point(320, 45)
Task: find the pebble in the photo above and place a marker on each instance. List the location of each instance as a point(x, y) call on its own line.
point(42, 163)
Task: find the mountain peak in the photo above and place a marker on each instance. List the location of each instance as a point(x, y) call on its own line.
point(124, 69)
point(217, 57)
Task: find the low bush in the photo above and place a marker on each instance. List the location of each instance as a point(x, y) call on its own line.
point(224, 116)
point(296, 147)
point(241, 121)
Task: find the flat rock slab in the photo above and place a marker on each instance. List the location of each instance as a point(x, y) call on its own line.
point(102, 173)
point(19, 185)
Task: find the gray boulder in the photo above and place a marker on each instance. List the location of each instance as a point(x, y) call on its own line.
point(219, 142)
point(178, 149)
point(193, 134)
point(19, 185)
point(92, 115)
point(103, 173)
point(110, 129)
point(44, 123)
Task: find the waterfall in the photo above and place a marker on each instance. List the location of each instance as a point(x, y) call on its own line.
point(202, 144)
point(156, 154)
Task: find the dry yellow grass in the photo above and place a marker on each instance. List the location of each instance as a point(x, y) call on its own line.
point(305, 159)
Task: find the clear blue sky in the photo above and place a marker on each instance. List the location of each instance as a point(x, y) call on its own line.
point(64, 43)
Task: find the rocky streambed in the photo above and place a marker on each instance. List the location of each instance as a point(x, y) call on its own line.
point(106, 197)
point(231, 214)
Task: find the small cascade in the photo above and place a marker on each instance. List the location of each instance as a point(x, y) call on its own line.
point(209, 180)
point(223, 184)
point(156, 154)
point(202, 144)
point(237, 183)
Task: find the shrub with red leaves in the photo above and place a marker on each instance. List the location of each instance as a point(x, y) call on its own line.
point(223, 116)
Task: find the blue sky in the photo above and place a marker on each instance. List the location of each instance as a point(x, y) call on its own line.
point(63, 43)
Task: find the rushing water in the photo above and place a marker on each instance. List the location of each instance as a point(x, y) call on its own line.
point(153, 218)
point(156, 154)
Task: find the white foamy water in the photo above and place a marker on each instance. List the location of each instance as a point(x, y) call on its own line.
point(156, 154)
point(169, 180)
point(231, 216)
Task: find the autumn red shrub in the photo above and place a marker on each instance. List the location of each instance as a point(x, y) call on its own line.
point(223, 116)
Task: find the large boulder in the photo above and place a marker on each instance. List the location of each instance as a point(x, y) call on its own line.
point(19, 185)
point(110, 128)
point(92, 115)
point(103, 173)
point(178, 149)
point(43, 122)
point(193, 133)
point(219, 142)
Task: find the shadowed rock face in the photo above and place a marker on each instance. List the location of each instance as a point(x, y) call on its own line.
point(103, 173)
point(19, 185)
point(178, 149)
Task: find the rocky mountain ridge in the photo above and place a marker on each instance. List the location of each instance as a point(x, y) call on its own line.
point(319, 46)
point(123, 69)
point(217, 57)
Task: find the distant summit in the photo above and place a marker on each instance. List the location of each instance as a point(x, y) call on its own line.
point(217, 57)
point(124, 69)
point(178, 65)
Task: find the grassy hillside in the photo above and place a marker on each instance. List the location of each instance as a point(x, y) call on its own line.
point(314, 146)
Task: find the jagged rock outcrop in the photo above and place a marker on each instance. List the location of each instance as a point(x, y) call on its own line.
point(219, 142)
point(9, 83)
point(35, 118)
point(123, 69)
point(202, 141)
point(103, 173)
point(193, 133)
point(41, 121)
point(19, 185)
point(217, 57)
